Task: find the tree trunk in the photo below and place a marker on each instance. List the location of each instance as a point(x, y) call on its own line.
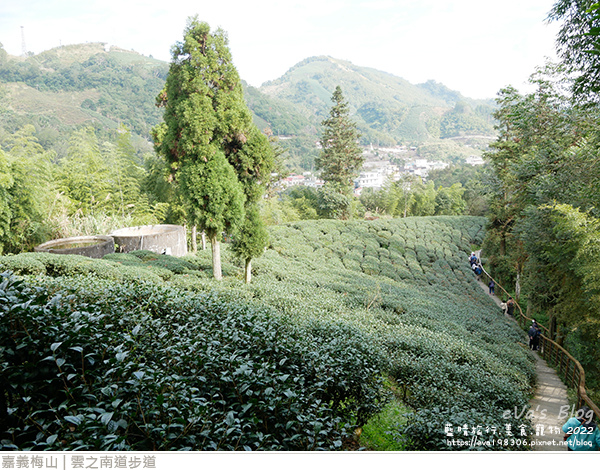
point(216, 257)
point(203, 240)
point(194, 238)
point(528, 314)
point(248, 271)
point(560, 334)
point(553, 331)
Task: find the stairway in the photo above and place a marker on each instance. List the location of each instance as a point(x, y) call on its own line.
point(549, 406)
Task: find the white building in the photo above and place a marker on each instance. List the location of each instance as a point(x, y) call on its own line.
point(421, 167)
point(376, 176)
point(370, 179)
point(293, 180)
point(475, 160)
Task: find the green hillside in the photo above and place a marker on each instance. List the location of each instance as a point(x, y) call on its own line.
point(343, 320)
point(65, 88)
point(387, 109)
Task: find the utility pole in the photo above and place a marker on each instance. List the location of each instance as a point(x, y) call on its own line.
point(23, 46)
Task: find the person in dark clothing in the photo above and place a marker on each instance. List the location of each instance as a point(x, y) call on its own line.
point(477, 270)
point(510, 306)
point(534, 336)
point(491, 285)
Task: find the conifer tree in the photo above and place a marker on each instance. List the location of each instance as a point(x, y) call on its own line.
point(254, 161)
point(251, 241)
point(341, 157)
point(219, 157)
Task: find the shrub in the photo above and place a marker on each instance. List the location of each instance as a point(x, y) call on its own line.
point(440, 428)
point(329, 301)
point(22, 265)
point(96, 365)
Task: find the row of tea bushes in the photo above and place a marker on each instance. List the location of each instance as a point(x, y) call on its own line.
point(91, 364)
point(136, 265)
point(450, 348)
point(408, 283)
point(403, 286)
point(401, 251)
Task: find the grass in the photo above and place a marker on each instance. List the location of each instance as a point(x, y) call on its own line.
point(65, 106)
point(377, 434)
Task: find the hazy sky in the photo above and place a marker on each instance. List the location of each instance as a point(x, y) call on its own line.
point(473, 46)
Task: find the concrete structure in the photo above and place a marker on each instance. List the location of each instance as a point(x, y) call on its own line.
point(370, 179)
point(161, 239)
point(550, 408)
point(91, 246)
point(376, 174)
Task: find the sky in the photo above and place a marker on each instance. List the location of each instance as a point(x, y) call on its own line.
point(475, 47)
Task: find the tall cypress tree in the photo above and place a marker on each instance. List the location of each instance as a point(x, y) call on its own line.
point(341, 157)
point(219, 157)
point(254, 162)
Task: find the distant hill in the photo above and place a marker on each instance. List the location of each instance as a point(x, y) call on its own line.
point(90, 84)
point(387, 109)
point(86, 84)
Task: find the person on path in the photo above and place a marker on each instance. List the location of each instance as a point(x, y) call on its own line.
point(534, 336)
point(581, 431)
point(491, 285)
point(536, 339)
point(510, 306)
point(477, 269)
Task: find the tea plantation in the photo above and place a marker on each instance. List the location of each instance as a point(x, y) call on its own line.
point(343, 322)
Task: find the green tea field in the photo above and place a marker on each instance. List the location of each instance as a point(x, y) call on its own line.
point(352, 334)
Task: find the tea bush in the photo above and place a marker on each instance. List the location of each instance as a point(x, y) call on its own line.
point(97, 365)
point(408, 283)
point(345, 303)
point(54, 265)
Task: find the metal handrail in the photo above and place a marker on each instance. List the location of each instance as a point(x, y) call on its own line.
point(569, 369)
point(522, 317)
point(558, 356)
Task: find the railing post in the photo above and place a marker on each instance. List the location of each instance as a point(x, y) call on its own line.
point(560, 362)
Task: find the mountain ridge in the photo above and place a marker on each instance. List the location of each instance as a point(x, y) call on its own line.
point(110, 86)
point(387, 109)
